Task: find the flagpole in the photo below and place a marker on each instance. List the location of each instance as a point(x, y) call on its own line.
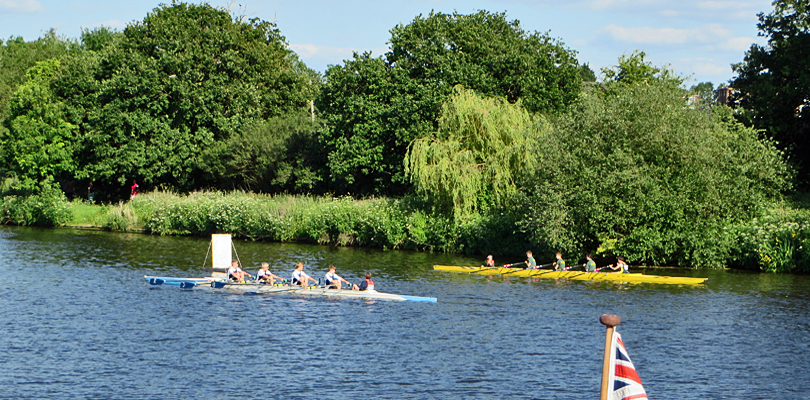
point(610, 321)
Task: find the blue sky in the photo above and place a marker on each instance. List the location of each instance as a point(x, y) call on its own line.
point(697, 38)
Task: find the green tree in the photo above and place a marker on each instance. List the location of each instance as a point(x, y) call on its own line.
point(772, 85)
point(635, 171)
point(476, 157)
point(280, 154)
point(634, 70)
point(40, 143)
point(375, 107)
point(156, 102)
point(17, 56)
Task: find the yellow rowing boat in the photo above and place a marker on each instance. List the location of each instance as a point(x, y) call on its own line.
point(574, 275)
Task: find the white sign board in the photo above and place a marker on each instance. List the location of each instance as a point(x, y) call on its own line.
point(221, 255)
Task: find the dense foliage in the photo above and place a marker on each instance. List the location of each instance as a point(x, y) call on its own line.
point(474, 160)
point(374, 107)
point(637, 172)
point(482, 132)
point(772, 86)
point(160, 101)
point(17, 55)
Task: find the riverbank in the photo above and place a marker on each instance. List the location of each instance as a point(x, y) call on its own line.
point(343, 221)
point(777, 241)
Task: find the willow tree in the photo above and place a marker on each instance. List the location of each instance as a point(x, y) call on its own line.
point(472, 163)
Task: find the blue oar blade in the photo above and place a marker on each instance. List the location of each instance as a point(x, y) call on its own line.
point(187, 285)
point(156, 281)
point(217, 285)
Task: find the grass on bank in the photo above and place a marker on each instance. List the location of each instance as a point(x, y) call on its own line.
point(776, 241)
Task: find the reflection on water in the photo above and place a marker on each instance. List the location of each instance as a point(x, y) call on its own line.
point(81, 322)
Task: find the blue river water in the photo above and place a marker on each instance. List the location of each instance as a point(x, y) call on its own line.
point(79, 321)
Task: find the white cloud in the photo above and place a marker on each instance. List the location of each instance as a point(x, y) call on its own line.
point(650, 35)
point(724, 5)
point(111, 23)
point(738, 43)
point(308, 50)
point(710, 69)
point(614, 4)
point(21, 5)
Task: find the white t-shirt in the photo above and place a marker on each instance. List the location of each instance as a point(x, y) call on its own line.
point(299, 276)
point(332, 277)
point(233, 270)
point(262, 273)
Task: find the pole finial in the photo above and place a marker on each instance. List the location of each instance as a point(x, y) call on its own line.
point(610, 319)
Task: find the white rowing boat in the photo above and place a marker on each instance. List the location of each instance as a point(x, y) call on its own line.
point(221, 256)
point(317, 291)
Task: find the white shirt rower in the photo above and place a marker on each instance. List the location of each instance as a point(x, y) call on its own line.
point(334, 281)
point(299, 277)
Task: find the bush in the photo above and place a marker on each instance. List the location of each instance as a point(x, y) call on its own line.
point(47, 206)
point(778, 241)
point(634, 165)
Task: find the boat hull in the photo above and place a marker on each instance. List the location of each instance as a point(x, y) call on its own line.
point(174, 281)
point(318, 291)
point(574, 275)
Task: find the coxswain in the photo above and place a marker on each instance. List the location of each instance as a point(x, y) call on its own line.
point(559, 265)
point(235, 273)
point(333, 281)
point(265, 276)
point(490, 262)
point(367, 284)
point(299, 277)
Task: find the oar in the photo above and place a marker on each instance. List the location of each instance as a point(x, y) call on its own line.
point(156, 281)
point(541, 267)
point(187, 285)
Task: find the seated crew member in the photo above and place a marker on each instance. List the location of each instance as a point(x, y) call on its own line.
point(235, 273)
point(559, 265)
point(590, 266)
point(333, 281)
point(367, 284)
point(530, 263)
point(621, 265)
point(490, 262)
point(299, 277)
point(265, 276)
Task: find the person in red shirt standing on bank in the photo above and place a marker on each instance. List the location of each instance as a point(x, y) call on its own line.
point(133, 190)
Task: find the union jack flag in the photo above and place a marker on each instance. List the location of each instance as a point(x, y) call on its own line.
point(623, 380)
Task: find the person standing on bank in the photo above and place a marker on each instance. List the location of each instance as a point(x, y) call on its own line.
point(133, 190)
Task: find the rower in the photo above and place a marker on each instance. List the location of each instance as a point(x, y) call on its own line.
point(621, 265)
point(333, 281)
point(265, 276)
point(490, 262)
point(590, 266)
point(367, 284)
point(235, 273)
point(559, 265)
point(299, 277)
point(530, 263)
